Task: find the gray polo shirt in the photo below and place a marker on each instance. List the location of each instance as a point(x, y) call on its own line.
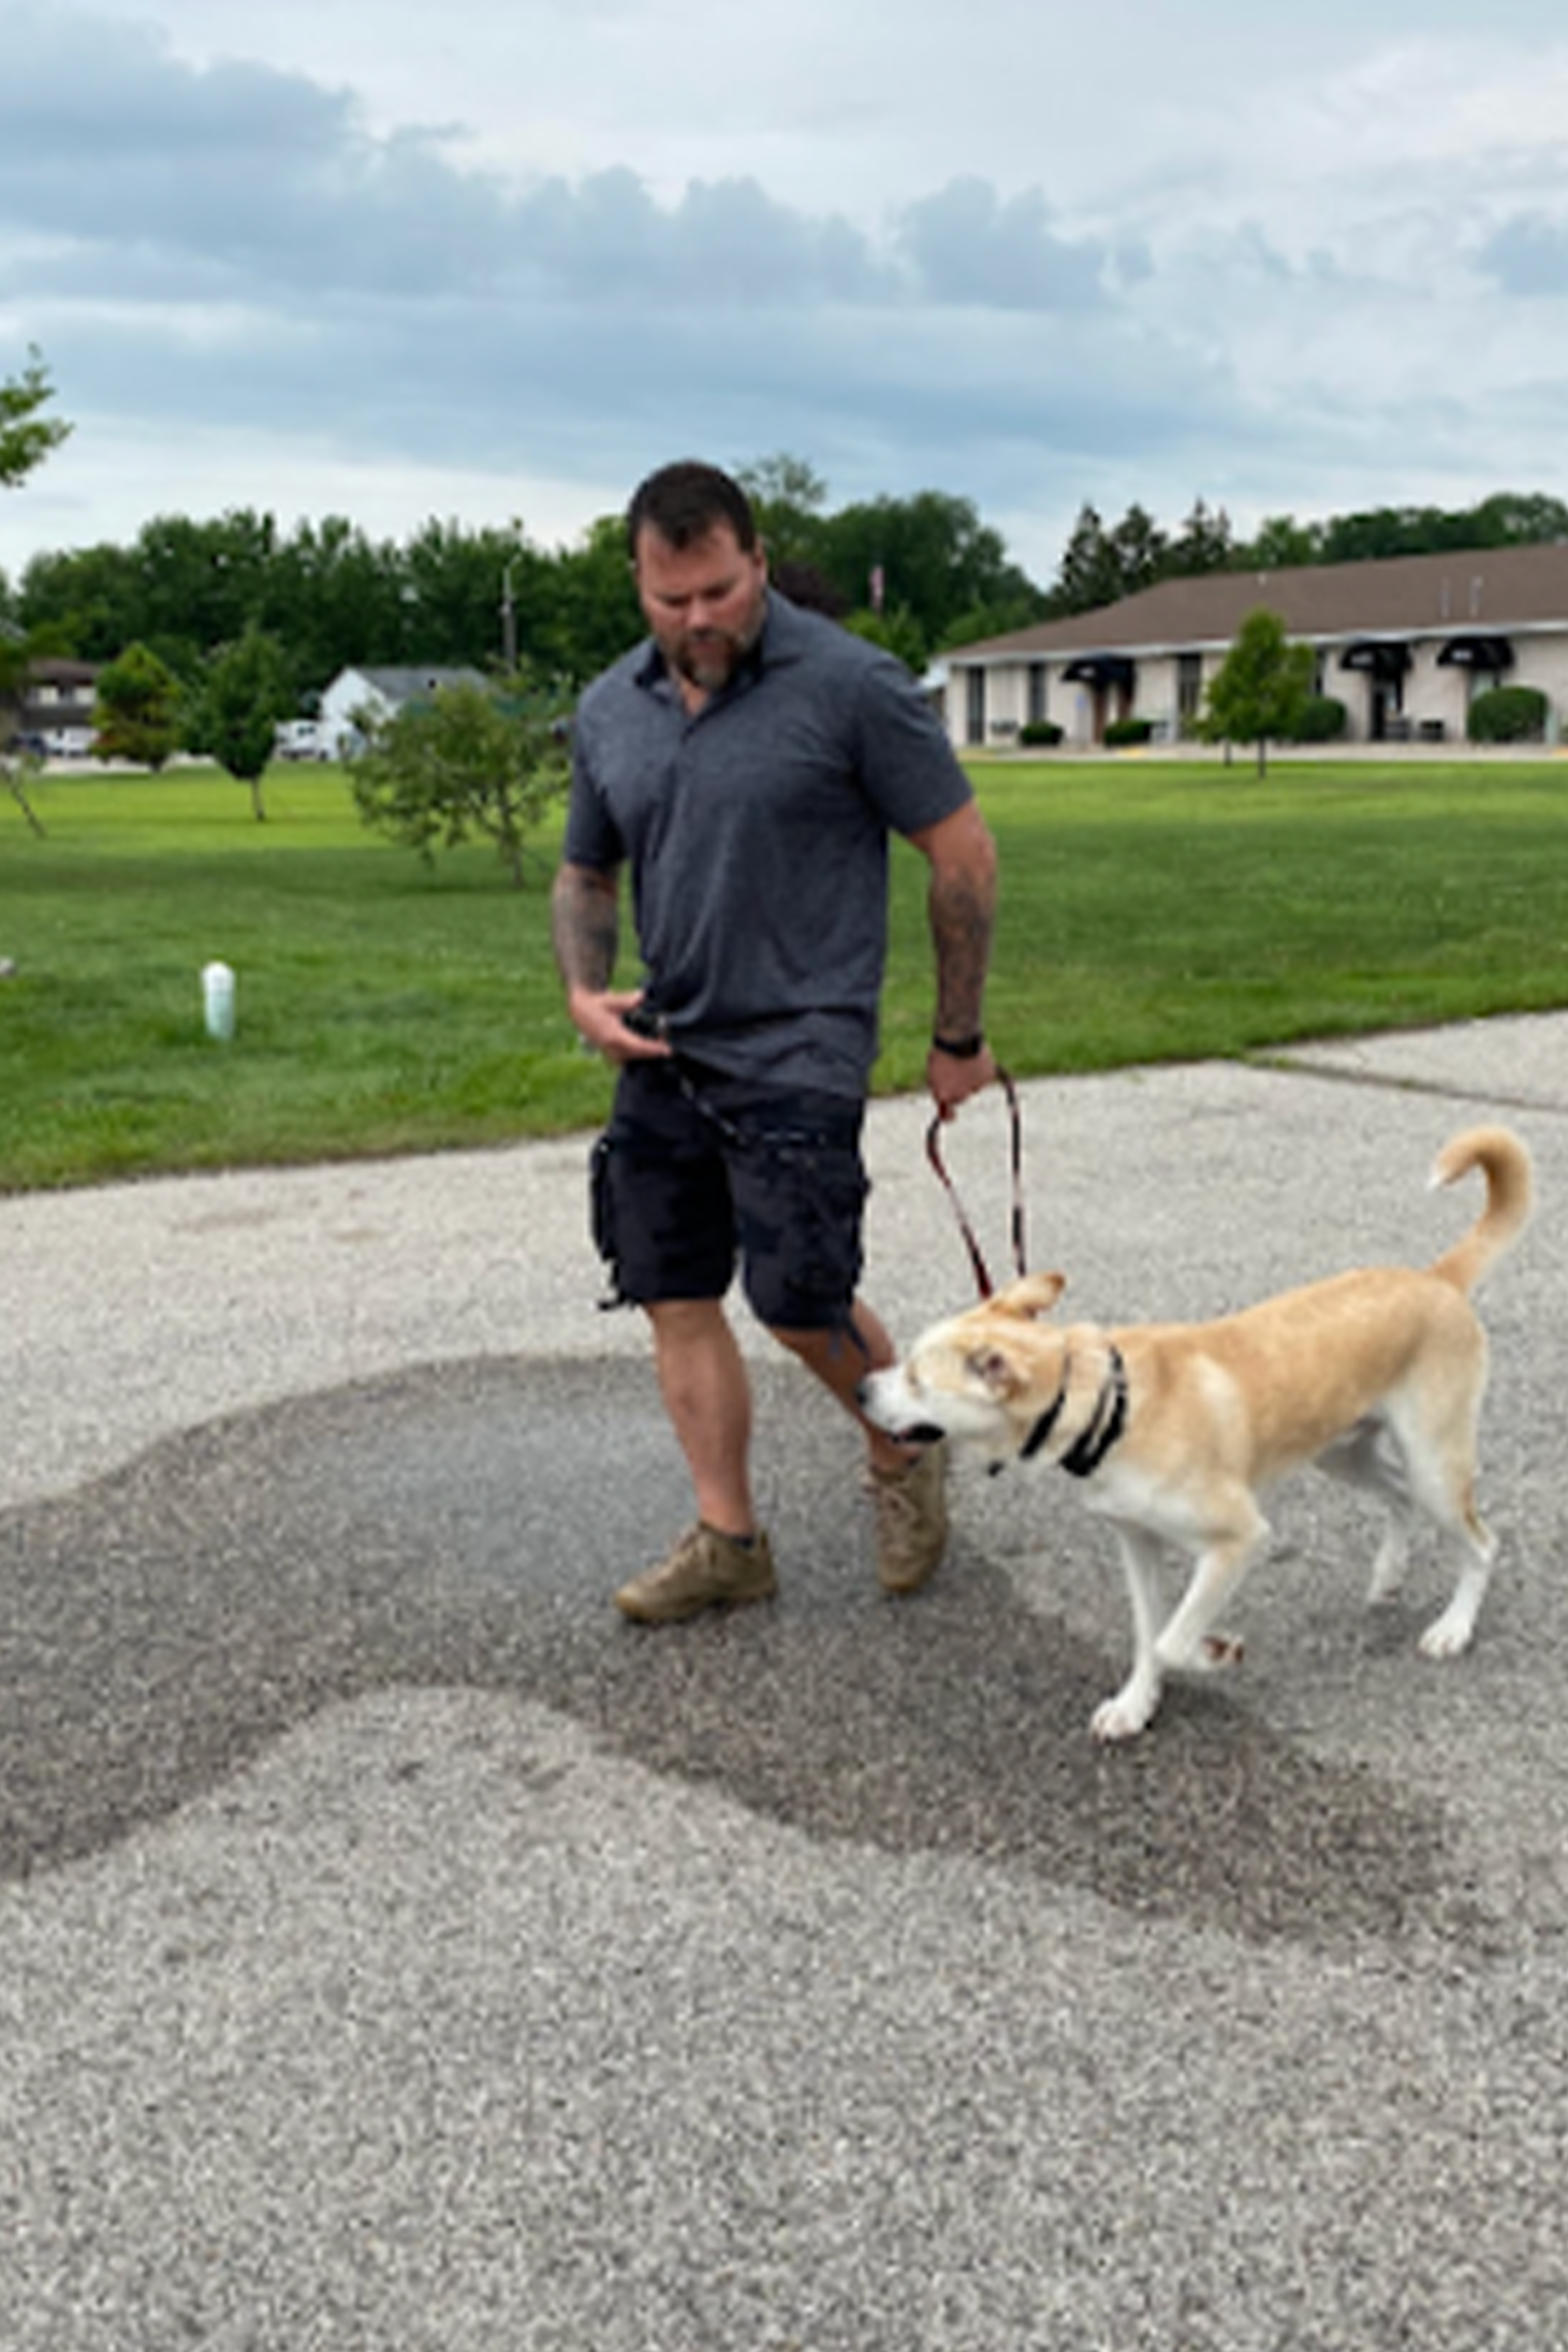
point(756, 837)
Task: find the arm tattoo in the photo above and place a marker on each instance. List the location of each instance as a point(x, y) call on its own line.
point(585, 927)
point(961, 908)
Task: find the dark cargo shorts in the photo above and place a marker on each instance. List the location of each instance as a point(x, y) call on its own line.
point(697, 1171)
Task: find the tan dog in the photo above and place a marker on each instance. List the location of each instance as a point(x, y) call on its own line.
point(1174, 1429)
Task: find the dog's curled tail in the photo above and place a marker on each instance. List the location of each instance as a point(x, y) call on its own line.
point(1510, 1191)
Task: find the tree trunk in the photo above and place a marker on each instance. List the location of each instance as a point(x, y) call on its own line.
point(18, 792)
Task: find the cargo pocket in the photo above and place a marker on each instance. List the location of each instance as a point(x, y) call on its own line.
point(602, 1217)
point(804, 1259)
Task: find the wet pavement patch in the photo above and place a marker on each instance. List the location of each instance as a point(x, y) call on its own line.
point(465, 1524)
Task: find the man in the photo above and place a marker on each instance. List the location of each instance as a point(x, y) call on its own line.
point(745, 765)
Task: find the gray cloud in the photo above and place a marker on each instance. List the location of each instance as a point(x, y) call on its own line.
point(1528, 257)
point(966, 245)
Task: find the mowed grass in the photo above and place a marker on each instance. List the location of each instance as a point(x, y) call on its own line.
point(1152, 911)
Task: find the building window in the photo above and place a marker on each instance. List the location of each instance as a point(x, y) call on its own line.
point(1189, 686)
point(975, 706)
point(1036, 693)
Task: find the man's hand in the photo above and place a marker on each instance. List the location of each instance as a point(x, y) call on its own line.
point(599, 1017)
point(953, 1077)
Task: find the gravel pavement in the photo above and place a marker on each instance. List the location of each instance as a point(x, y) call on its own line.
point(399, 1954)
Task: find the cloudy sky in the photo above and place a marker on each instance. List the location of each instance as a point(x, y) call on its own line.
point(496, 258)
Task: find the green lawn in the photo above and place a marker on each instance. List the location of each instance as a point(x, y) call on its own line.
point(1152, 911)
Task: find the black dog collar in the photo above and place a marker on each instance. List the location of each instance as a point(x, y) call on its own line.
point(1108, 1421)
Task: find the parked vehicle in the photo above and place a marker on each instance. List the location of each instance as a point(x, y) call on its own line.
point(301, 739)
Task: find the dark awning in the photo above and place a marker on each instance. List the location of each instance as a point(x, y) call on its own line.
point(1101, 670)
point(1380, 657)
point(1477, 652)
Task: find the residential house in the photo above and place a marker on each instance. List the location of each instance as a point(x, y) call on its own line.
point(383, 692)
point(1405, 645)
point(54, 711)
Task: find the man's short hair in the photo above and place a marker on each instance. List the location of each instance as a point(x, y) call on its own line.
point(685, 501)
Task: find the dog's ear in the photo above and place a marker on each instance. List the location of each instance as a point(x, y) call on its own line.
point(990, 1366)
point(1031, 1294)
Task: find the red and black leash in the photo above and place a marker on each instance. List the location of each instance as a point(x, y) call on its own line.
point(933, 1153)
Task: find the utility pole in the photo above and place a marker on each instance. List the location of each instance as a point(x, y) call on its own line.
point(508, 622)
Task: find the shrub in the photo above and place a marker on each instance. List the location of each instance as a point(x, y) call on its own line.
point(1123, 733)
point(1322, 720)
point(1509, 714)
point(1039, 730)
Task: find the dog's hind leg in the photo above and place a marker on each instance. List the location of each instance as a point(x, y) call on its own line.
point(1371, 1458)
point(1441, 1457)
point(1476, 1546)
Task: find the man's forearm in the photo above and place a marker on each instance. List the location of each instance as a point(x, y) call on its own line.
point(962, 909)
point(584, 928)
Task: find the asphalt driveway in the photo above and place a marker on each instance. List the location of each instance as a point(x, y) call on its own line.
point(400, 1952)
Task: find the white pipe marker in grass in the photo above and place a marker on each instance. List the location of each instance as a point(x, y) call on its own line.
point(218, 1000)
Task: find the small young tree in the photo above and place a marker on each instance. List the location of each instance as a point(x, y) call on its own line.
point(245, 689)
point(1261, 688)
point(471, 760)
point(136, 712)
point(26, 438)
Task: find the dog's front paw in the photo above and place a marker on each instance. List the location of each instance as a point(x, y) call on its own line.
point(1124, 1715)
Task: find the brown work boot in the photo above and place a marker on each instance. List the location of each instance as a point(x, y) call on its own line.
point(705, 1571)
point(911, 1520)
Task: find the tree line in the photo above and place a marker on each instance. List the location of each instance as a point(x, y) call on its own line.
point(916, 573)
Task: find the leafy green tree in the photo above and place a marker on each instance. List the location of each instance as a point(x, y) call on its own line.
point(26, 436)
point(1510, 519)
point(1280, 544)
point(896, 631)
point(1261, 689)
point(473, 596)
point(136, 714)
point(787, 497)
point(1203, 544)
point(1089, 574)
point(232, 715)
point(1140, 550)
point(91, 594)
point(930, 555)
point(469, 760)
point(591, 613)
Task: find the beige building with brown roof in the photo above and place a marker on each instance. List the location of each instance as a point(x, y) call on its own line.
point(1405, 645)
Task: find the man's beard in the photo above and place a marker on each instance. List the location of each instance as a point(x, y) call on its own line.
point(708, 658)
point(710, 661)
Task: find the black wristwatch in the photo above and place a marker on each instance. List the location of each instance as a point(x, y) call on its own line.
point(959, 1049)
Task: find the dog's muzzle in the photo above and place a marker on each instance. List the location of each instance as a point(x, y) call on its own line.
point(916, 1432)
